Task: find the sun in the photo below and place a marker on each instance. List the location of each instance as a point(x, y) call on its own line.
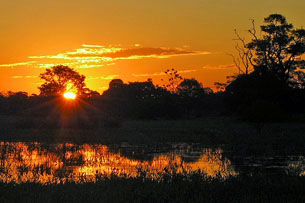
point(70, 95)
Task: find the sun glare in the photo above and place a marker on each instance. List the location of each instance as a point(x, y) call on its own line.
point(70, 95)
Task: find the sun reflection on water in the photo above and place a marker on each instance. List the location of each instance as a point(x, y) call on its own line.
point(45, 164)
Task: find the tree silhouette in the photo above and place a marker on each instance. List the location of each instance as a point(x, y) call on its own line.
point(115, 83)
point(173, 80)
point(280, 48)
point(268, 91)
point(190, 88)
point(277, 52)
point(60, 79)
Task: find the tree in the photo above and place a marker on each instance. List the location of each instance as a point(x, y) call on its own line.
point(279, 50)
point(60, 79)
point(115, 83)
point(173, 80)
point(132, 90)
point(190, 88)
point(270, 70)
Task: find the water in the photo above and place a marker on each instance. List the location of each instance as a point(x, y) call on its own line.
point(59, 163)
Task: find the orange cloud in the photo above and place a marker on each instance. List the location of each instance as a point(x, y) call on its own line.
point(97, 56)
point(18, 64)
point(108, 77)
point(162, 73)
point(92, 46)
point(135, 53)
point(74, 65)
point(220, 67)
point(94, 56)
point(24, 76)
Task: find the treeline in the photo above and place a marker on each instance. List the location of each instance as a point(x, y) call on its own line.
point(249, 97)
point(135, 100)
point(270, 86)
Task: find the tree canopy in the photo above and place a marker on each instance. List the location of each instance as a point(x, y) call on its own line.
point(191, 88)
point(60, 79)
point(280, 48)
point(273, 85)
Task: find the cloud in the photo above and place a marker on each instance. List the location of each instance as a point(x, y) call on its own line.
point(24, 76)
point(92, 46)
point(74, 65)
point(108, 77)
point(97, 56)
point(148, 74)
point(162, 73)
point(187, 71)
point(134, 53)
point(88, 66)
point(18, 64)
point(219, 67)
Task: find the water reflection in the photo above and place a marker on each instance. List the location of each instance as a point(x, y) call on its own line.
point(35, 162)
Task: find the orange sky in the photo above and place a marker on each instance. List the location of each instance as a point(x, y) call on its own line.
point(128, 39)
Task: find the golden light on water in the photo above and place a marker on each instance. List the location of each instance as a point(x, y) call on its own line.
point(33, 162)
point(70, 95)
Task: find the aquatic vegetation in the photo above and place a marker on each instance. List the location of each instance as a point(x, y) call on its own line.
point(60, 163)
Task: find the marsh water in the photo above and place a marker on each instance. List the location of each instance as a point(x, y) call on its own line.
point(59, 163)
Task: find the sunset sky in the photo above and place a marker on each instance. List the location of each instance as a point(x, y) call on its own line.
point(128, 39)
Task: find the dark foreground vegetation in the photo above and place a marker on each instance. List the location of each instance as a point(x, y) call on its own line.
point(177, 188)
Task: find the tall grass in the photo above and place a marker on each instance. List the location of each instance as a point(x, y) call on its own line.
point(174, 188)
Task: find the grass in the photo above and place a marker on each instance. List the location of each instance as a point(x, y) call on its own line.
point(172, 189)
